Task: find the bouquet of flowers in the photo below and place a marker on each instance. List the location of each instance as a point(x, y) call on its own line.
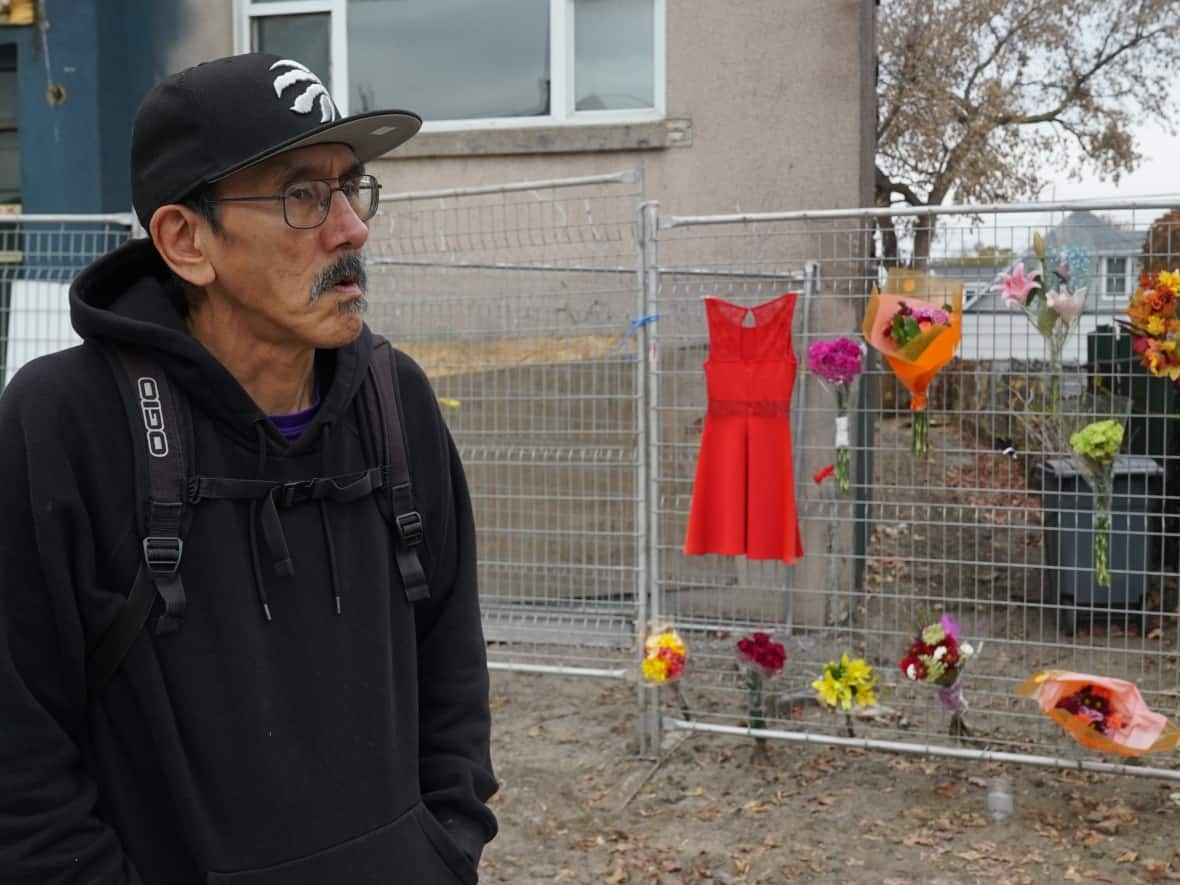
point(1102, 713)
point(1095, 447)
point(761, 658)
point(664, 658)
point(1154, 326)
point(845, 683)
point(1052, 298)
point(937, 657)
point(1094, 706)
point(838, 363)
point(916, 324)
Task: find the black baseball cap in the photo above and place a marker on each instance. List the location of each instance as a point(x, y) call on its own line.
point(211, 120)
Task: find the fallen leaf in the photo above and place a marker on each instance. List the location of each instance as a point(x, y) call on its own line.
point(1155, 870)
point(1127, 857)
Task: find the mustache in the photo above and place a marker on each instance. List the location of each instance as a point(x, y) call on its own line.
point(347, 267)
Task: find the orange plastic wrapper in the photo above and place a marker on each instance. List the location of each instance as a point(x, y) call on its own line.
point(915, 364)
point(1139, 730)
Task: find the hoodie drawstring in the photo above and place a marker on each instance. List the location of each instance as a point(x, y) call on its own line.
point(267, 497)
point(259, 582)
point(327, 523)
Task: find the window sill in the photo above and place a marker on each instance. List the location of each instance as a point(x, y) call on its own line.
point(549, 140)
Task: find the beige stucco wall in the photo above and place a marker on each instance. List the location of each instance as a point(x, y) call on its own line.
point(774, 93)
point(206, 32)
point(775, 98)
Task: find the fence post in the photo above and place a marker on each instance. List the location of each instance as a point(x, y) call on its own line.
point(648, 595)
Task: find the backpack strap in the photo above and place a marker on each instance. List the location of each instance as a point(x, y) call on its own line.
point(159, 429)
point(396, 497)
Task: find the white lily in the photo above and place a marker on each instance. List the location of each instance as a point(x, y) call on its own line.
point(1068, 305)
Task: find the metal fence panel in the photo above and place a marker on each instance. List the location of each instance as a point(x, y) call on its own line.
point(39, 257)
point(562, 325)
point(967, 529)
point(517, 301)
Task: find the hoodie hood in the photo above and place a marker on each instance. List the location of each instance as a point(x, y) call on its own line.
point(130, 296)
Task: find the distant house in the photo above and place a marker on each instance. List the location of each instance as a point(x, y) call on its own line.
point(994, 331)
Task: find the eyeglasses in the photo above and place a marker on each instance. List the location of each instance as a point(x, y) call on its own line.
point(306, 204)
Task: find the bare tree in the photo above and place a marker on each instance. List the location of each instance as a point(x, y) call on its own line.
point(978, 99)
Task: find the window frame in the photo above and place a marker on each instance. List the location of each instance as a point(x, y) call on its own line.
point(1128, 275)
point(561, 65)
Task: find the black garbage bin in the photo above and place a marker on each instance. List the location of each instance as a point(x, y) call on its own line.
point(1068, 505)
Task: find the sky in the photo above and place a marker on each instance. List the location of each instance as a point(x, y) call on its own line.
point(1157, 176)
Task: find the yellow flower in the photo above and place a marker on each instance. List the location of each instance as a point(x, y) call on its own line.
point(671, 641)
point(655, 669)
point(1171, 279)
point(832, 692)
point(1155, 325)
point(857, 672)
point(865, 696)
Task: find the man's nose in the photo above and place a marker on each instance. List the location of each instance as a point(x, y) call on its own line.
point(343, 226)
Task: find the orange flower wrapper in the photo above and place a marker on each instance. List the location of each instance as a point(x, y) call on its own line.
point(916, 363)
point(1132, 729)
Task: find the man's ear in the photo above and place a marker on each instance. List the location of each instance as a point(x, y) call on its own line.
point(181, 237)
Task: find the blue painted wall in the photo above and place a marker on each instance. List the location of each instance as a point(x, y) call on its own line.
point(107, 54)
point(133, 57)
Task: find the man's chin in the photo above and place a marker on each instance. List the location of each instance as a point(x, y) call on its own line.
point(358, 306)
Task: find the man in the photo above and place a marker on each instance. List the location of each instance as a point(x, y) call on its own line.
point(290, 712)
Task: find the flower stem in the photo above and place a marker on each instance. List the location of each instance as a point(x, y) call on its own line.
point(920, 428)
point(681, 701)
point(757, 712)
point(1102, 549)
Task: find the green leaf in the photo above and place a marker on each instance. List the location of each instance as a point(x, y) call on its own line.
point(1046, 319)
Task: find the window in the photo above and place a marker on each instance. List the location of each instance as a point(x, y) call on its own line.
point(1114, 283)
point(9, 136)
point(469, 64)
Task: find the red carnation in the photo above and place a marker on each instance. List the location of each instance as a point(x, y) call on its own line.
point(762, 654)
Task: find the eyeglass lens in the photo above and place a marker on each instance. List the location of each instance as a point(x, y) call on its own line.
point(307, 203)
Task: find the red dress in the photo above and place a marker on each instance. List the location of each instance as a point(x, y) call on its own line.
point(743, 498)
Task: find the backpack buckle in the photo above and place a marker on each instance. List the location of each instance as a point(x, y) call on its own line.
point(288, 494)
point(409, 528)
point(162, 555)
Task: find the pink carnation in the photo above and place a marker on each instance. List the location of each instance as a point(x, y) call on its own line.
point(837, 362)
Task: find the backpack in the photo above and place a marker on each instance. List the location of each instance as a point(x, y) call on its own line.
point(161, 438)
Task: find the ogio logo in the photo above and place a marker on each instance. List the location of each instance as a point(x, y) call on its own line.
point(307, 98)
point(153, 417)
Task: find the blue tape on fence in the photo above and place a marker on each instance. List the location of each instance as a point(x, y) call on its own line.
point(632, 331)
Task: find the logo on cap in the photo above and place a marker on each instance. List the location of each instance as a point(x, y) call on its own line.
point(305, 101)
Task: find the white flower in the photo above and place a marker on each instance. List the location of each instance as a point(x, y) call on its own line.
point(966, 650)
point(911, 672)
point(940, 653)
point(1069, 305)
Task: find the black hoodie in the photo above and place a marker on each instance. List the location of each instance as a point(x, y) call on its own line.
point(313, 749)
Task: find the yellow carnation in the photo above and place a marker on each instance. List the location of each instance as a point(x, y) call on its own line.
point(655, 669)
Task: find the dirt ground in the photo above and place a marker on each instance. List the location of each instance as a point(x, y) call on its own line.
point(577, 804)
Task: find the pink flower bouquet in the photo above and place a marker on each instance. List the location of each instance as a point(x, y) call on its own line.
point(837, 364)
